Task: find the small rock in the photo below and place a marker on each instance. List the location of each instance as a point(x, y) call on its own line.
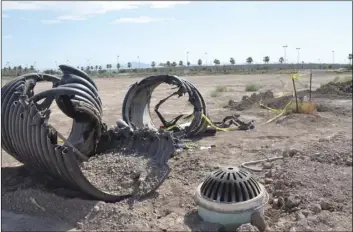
point(268, 181)
point(79, 225)
point(279, 184)
point(349, 162)
point(316, 208)
point(292, 153)
point(325, 205)
point(305, 212)
point(293, 201)
point(96, 208)
point(268, 174)
point(247, 228)
point(281, 201)
point(275, 204)
point(258, 220)
point(299, 216)
point(285, 154)
point(267, 165)
point(292, 229)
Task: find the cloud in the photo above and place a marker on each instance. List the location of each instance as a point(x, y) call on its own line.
point(50, 21)
point(5, 16)
point(84, 10)
point(142, 19)
point(7, 36)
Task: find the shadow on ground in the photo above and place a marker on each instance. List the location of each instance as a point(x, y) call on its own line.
point(28, 199)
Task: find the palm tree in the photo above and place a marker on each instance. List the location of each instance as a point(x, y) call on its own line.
point(25, 69)
point(153, 64)
point(249, 60)
point(91, 67)
point(174, 64)
point(168, 64)
point(20, 69)
point(232, 61)
point(188, 63)
point(100, 67)
point(96, 67)
point(350, 58)
point(199, 62)
point(266, 59)
point(118, 66)
point(181, 63)
point(82, 68)
point(87, 68)
point(281, 60)
point(31, 68)
point(129, 64)
point(216, 62)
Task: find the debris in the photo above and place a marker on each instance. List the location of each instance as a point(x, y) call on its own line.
point(36, 204)
point(247, 228)
point(299, 216)
point(316, 208)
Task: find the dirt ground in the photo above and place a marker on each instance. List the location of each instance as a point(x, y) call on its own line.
point(311, 189)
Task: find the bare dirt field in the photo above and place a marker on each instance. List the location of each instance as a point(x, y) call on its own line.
point(310, 190)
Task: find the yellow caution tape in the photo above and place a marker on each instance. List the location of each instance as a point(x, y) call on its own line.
point(295, 77)
point(280, 114)
point(269, 108)
point(214, 126)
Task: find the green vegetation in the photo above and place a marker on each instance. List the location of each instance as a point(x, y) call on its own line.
point(219, 90)
point(252, 88)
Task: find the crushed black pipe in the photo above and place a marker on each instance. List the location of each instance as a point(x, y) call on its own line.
point(29, 138)
point(136, 105)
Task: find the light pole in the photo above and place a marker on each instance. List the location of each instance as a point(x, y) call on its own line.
point(206, 59)
point(34, 65)
point(333, 57)
point(298, 49)
point(138, 57)
point(117, 60)
point(285, 54)
point(187, 58)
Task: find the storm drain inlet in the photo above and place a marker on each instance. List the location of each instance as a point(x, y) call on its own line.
point(230, 196)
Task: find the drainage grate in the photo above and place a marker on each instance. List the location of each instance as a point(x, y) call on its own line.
point(230, 185)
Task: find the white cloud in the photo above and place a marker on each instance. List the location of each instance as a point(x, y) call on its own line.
point(141, 19)
point(50, 21)
point(7, 36)
point(83, 10)
point(5, 16)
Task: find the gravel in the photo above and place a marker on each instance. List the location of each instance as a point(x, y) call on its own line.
point(119, 174)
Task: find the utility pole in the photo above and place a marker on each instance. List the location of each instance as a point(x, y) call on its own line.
point(333, 57)
point(285, 54)
point(298, 49)
point(117, 59)
point(187, 58)
point(206, 59)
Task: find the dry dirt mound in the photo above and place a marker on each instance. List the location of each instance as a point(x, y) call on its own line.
point(308, 196)
point(336, 88)
point(247, 102)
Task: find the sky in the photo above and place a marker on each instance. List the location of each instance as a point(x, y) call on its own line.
point(45, 34)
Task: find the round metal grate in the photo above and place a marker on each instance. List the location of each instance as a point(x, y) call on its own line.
point(230, 185)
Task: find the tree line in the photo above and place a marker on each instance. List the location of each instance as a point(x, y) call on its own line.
point(19, 70)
